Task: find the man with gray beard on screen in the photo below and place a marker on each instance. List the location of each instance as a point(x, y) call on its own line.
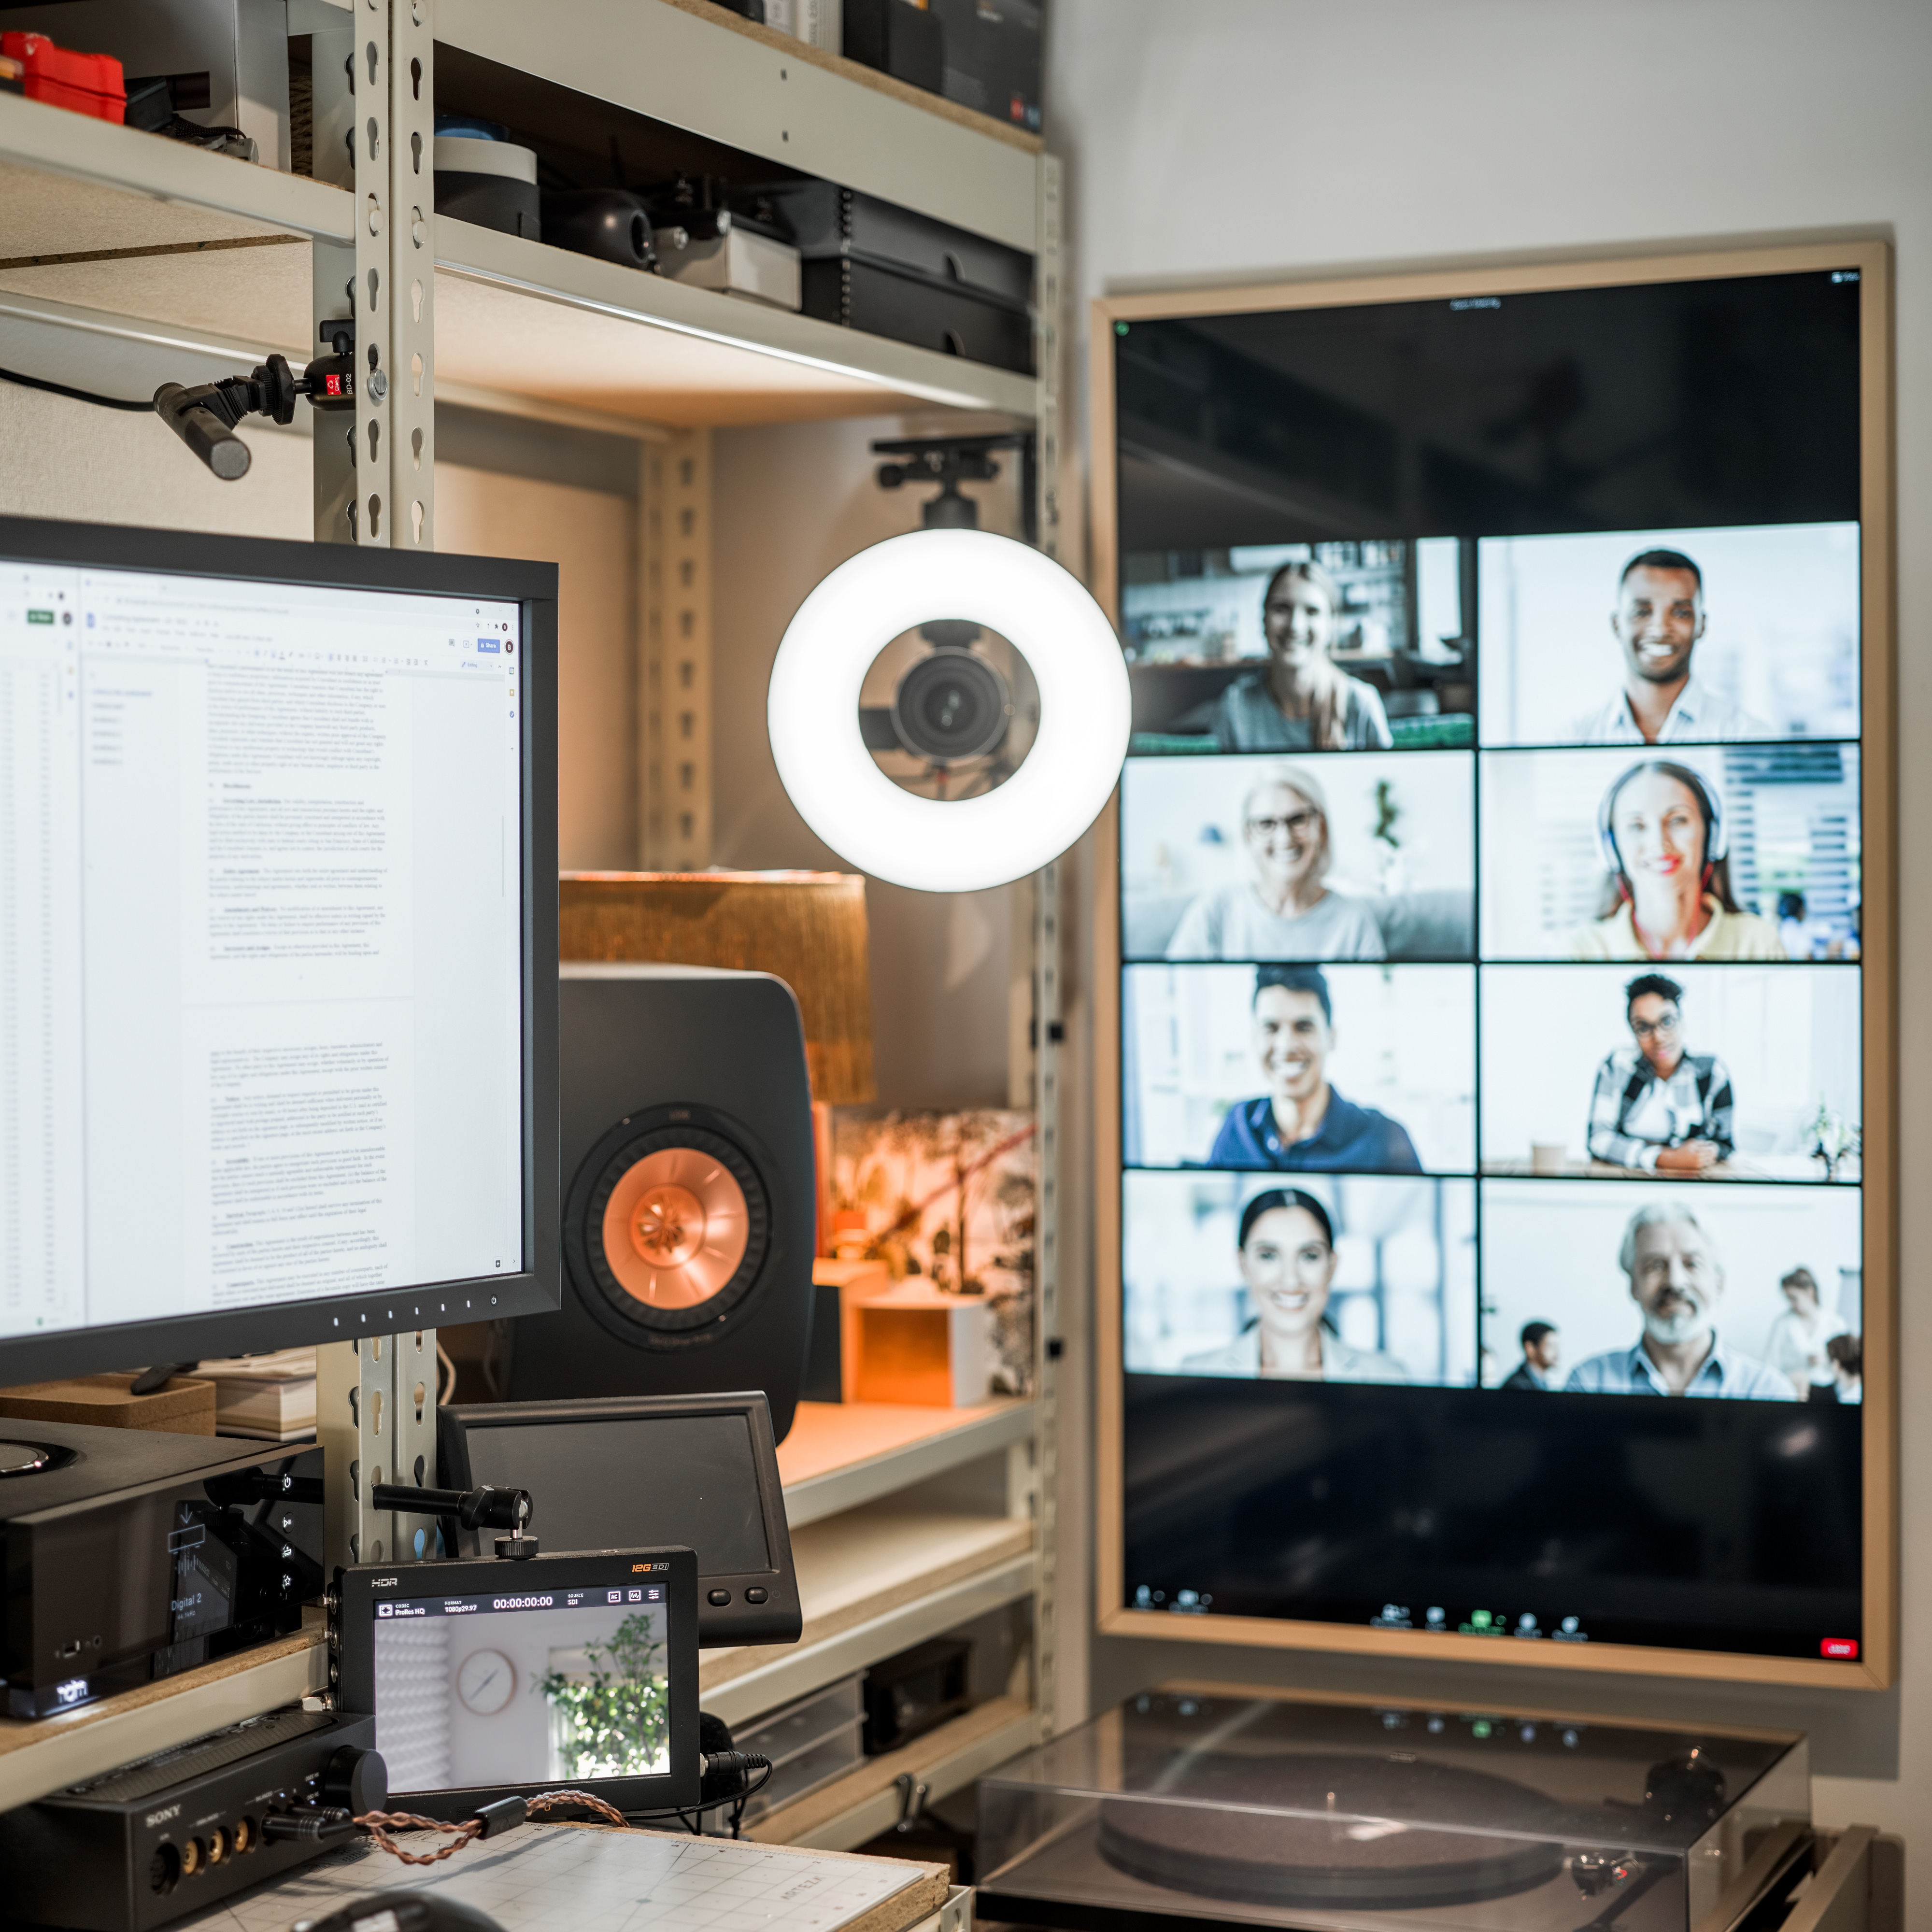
point(1677, 1279)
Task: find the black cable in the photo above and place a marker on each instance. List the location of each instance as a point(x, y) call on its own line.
point(78, 395)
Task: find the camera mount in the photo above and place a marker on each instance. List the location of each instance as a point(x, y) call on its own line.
point(204, 417)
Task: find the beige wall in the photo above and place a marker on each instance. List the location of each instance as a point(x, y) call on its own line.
point(1252, 139)
point(591, 537)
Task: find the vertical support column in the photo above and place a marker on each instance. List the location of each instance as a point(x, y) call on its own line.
point(412, 277)
point(674, 599)
point(376, 1397)
point(1047, 1030)
point(376, 1422)
point(371, 519)
point(332, 285)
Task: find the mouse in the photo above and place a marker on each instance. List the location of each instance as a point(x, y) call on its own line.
point(425, 1911)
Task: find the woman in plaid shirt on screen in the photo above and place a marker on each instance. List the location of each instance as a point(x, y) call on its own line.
point(1656, 1107)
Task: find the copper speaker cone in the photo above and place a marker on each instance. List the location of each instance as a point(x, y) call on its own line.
point(676, 1228)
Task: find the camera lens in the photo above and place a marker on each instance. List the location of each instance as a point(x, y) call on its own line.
point(951, 706)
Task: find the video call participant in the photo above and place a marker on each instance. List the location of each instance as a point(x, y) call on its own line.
point(1657, 619)
point(1677, 1279)
point(1541, 1356)
point(1286, 912)
point(1848, 1367)
point(1799, 1345)
point(1301, 1122)
point(1301, 702)
point(1657, 1107)
point(1287, 1245)
point(1668, 896)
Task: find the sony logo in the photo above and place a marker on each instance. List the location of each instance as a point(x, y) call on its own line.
point(384, 1582)
point(162, 1817)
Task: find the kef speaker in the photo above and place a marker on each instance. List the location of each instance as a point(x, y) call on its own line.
point(688, 1172)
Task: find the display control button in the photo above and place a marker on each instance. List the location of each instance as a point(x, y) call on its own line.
point(755, 1594)
point(720, 1596)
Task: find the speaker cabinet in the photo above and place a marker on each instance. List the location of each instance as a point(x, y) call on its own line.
point(689, 1197)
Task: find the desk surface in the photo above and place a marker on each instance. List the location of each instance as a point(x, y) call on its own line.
point(540, 1878)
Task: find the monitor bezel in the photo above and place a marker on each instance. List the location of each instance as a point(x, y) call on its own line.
point(361, 1587)
point(1876, 1665)
point(538, 1287)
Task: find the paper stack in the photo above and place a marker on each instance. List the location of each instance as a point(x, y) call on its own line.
point(269, 1397)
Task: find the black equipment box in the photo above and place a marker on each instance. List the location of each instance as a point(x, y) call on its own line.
point(871, 265)
point(951, 319)
point(131, 1556)
point(992, 57)
point(178, 1833)
point(917, 1691)
point(897, 37)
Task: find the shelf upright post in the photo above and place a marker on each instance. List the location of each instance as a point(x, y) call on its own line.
point(376, 1397)
point(1047, 1023)
point(674, 686)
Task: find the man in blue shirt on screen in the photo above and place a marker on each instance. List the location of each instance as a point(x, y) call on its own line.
point(1677, 1278)
point(1302, 1124)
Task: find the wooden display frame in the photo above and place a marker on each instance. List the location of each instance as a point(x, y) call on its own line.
point(1878, 1663)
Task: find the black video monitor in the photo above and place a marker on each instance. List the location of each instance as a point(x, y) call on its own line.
point(494, 1677)
point(1502, 1262)
point(277, 883)
point(697, 1470)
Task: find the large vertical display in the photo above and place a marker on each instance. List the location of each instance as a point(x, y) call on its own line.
point(1499, 1077)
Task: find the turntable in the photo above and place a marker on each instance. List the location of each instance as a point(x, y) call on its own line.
point(1183, 1809)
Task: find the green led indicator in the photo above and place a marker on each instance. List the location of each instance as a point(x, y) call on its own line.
point(1119, 328)
point(39, 616)
point(1480, 1728)
point(1480, 1619)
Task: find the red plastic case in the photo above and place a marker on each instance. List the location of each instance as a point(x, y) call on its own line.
point(83, 83)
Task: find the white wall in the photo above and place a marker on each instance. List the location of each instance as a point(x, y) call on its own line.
point(1232, 140)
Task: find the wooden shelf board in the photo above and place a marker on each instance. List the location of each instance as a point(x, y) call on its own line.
point(51, 1753)
point(69, 184)
point(518, 316)
point(840, 1455)
point(862, 75)
point(700, 68)
point(746, 1682)
point(853, 1810)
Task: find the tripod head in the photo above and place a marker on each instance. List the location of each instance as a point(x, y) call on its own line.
point(204, 416)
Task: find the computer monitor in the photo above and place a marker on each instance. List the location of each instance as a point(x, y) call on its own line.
point(277, 944)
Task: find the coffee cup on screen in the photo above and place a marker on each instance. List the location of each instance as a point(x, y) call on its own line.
point(1548, 1156)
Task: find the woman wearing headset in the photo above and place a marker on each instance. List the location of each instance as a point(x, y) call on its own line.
point(1287, 1245)
point(1668, 895)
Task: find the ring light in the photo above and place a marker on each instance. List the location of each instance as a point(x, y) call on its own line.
point(965, 844)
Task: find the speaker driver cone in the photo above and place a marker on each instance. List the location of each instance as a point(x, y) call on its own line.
point(676, 1228)
point(668, 1227)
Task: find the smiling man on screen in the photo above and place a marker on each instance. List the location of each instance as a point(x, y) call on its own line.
point(1677, 1278)
point(1658, 619)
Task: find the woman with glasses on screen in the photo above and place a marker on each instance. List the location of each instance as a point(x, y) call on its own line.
point(1657, 1108)
point(1301, 702)
point(1286, 911)
point(1287, 1247)
point(1668, 896)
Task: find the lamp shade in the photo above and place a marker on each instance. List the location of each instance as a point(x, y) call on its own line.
point(808, 929)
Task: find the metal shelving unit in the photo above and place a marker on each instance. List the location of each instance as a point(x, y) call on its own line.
point(113, 240)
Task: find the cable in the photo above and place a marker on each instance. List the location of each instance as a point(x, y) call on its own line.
point(492, 1818)
point(146, 409)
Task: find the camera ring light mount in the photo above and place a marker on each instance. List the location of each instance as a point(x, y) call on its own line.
point(964, 844)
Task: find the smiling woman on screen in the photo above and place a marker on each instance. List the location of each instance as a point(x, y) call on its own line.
point(1301, 702)
point(1287, 1261)
point(1286, 912)
point(1669, 892)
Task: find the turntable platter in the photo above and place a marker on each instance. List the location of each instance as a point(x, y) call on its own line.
point(1344, 1842)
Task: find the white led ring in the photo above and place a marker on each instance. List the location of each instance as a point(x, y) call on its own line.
point(965, 845)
